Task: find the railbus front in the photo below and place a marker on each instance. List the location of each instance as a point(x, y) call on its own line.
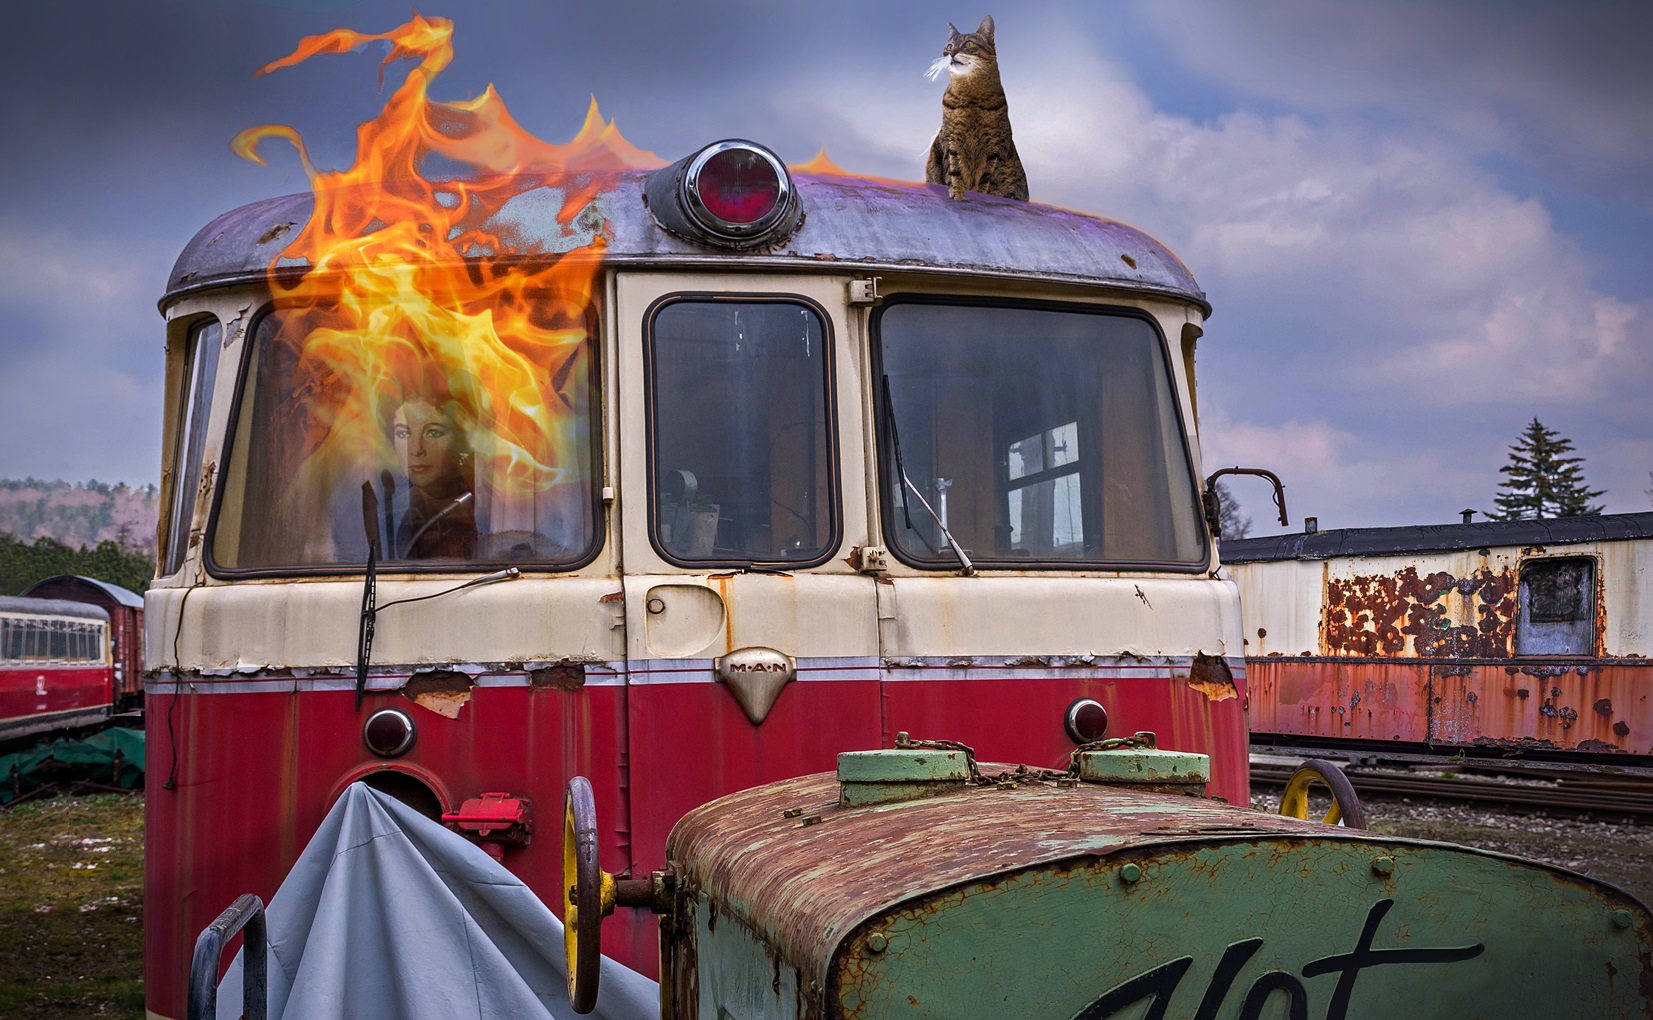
point(807, 479)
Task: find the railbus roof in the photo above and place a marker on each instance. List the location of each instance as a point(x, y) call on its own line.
point(1322, 545)
point(855, 222)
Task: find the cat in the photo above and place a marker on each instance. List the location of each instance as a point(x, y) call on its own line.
point(973, 150)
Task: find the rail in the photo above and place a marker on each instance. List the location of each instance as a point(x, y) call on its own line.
point(1623, 799)
point(246, 912)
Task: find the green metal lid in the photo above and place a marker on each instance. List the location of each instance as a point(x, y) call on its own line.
point(1143, 765)
point(904, 766)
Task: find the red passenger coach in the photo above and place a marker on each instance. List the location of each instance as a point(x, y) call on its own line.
point(55, 668)
point(1523, 637)
point(727, 485)
point(125, 609)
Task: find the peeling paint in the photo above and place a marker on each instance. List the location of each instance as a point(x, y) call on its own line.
point(444, 692)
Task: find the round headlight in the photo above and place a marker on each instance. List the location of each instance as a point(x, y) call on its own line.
point(1085, 720)
point(388, 732)
point(733, 194)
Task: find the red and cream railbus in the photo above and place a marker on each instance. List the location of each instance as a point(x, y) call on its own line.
point(55, 667)
point(682, 478)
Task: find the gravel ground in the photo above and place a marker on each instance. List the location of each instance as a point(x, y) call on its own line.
point(1621, 854)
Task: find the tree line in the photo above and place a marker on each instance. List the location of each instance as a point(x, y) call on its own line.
point(23, 564)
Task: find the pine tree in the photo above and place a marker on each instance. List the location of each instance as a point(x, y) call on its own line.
point(1541, 480)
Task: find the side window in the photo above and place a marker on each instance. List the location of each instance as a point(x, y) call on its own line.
point(741, 456)
point(1558, 602)
point(200, 367)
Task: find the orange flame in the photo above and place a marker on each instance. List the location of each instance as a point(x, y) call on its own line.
point(406, 295)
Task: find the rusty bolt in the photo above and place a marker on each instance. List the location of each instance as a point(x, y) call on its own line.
point(877, 943)
point(812, 820)
point(1130, 874)
point(792, 812)
point(1622, 919)
point(1383, 865)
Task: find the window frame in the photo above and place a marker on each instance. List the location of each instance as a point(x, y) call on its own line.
point(599, 515)
point(196, 396)
point(1524, 624)
point(887, 509)
point(829, 378)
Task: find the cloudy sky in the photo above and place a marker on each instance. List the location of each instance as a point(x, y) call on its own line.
point(1421, 224)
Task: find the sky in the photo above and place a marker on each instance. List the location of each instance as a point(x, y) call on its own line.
point(1420, 224)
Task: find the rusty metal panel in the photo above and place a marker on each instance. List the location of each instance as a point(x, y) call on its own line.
point(1091, 901)
point(1424, 609)
point(1581, 705)
point(1350, 700)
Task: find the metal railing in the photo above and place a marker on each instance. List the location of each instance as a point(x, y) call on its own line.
point(246, 912)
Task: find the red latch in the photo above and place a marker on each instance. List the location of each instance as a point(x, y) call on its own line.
point(495, 820)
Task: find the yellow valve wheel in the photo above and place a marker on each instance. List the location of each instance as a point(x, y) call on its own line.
point(1345, 809)
point(587, 898)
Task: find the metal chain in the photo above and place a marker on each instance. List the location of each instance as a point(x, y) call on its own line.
point(904, 742)
point(1141, 739)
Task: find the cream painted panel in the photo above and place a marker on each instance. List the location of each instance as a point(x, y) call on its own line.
point(1057, 615)
point(257, 625)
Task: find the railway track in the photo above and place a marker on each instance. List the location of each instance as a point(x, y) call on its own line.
point(1602, 797)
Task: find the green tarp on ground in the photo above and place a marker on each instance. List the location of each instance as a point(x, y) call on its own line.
point(113, 757)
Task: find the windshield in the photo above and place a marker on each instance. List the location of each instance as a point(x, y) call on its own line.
point(1038, 436)
point(740, 416)
point(448, 458)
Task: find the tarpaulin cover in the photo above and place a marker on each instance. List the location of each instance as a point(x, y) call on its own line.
point(113, 757)
point(389, 914)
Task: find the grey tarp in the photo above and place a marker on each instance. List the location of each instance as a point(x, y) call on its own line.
point(389, 914)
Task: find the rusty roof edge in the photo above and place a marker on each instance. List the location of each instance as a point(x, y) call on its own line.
point(1438, 538)
point(849, 223)
point(773, 263)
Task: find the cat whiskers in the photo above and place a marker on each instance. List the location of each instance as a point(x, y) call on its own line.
point(938, 68)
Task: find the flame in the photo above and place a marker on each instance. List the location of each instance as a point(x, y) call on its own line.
point(406, 293)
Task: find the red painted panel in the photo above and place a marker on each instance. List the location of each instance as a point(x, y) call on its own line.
point(1340, 699)
point(257, 772)
point(1596, 706)
point(1008, 719)
point(33, 690)
point(1592, 705)
point(691, 743)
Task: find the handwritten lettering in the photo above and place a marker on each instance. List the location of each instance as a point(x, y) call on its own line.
point(1161, 982)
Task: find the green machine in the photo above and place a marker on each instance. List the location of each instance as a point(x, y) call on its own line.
point(915, 883)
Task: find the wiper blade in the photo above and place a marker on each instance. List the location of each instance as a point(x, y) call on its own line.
point(364, 627)
point(895, 441)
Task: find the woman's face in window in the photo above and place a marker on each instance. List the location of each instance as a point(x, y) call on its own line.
point(428, 445)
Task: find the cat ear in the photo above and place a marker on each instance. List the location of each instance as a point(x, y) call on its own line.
point(986, 27)
point(952, 33)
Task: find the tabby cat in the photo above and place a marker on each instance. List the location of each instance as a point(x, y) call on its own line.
point(973, 150)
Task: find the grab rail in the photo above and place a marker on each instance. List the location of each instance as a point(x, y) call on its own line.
point(246, 912)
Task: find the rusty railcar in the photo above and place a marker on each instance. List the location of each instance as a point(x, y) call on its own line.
point(1531, 637)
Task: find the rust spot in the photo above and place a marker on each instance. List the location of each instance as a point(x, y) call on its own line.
point(1438, 615)
point(613, 596)
point(1621, 728)
point(1128, 261)
point(275, 232)
point(564, 676)
point(1211, 676)
point(443, 691)
point(1604, 708)
point(1262, 632)
point(854, 558)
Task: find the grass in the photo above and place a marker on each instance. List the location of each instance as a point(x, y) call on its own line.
point(71, 907)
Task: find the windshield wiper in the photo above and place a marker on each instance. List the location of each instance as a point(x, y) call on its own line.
point(895, 441)
point(370, 608)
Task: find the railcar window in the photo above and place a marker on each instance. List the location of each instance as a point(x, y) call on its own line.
point(473, 451)
point(1040, 436)
point(200, 368)
point(1557, 613)
point(741, 451)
